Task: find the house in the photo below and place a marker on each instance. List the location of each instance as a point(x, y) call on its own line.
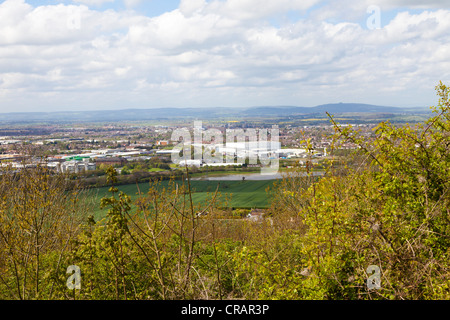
point(162, 143)
point(256, 215)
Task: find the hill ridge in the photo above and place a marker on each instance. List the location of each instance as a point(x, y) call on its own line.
point(206, 113)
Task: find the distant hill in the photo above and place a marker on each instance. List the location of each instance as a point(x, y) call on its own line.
point(200, 113)
point(357, 107)
point(332, 108)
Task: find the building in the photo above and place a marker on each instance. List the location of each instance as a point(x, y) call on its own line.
point(12, 157)
point(291, 153)
point(223, 164)
point(167, 152)
point(72, 166)
point(111, 161)
point(162, 143)
point(190, 163)
point(256, 215)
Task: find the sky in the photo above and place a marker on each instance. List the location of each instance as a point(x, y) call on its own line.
point(120, 54)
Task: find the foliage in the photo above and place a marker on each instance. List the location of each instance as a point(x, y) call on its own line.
point(390, 210)
point(388, 206)
point(38, 218)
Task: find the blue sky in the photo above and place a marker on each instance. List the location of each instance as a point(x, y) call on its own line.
point(148, 8)
point(115, 54)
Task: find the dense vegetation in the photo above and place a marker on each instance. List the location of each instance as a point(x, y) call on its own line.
point(389, 207)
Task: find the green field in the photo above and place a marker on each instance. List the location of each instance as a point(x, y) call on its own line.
point(241, 194)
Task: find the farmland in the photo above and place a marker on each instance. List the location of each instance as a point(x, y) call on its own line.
point(240, 194)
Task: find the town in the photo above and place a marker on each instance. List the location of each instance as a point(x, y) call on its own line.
point(93, 147)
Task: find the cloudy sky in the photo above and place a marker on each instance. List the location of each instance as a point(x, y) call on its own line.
point(117, 54)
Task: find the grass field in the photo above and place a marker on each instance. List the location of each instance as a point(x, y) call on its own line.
point(242, 194)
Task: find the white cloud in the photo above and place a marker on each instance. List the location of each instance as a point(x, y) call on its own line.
point(189, 7)
point(215, 53)
point(255, 9)
point(96, 3)
point(132, 3)
point(421, 4)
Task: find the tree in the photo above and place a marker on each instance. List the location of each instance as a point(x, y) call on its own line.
point(390, 209)
point(39, 217)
